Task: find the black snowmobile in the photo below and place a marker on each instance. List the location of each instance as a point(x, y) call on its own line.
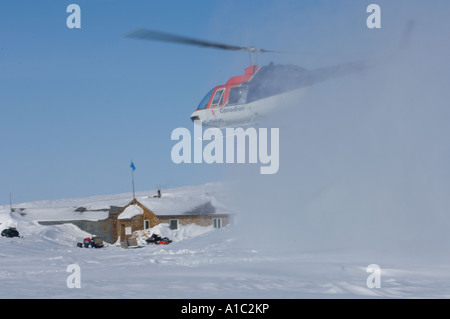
point(10, 232)
point(158, 240)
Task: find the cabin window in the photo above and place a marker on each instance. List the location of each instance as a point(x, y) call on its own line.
point(238, 95)
point(217, 222)
point(146, 224)
point(218, 98)
point(204, 102)
point(173, 224)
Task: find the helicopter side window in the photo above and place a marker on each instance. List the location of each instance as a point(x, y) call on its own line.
point(204, 102)
point(238, 95)
point(218, 98)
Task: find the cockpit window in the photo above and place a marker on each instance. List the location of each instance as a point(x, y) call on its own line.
point(238, 95)
point(204, 102)
point(218, 98)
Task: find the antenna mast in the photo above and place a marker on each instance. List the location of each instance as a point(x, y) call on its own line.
point(253, 51)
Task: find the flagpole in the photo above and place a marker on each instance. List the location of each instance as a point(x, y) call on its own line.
point(132, 179)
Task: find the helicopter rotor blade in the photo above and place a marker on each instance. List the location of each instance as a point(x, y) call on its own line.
point(145, 34)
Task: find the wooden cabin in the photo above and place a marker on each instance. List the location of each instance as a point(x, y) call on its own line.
point(134, 217)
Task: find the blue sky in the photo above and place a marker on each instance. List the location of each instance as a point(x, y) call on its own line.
point(77, 105)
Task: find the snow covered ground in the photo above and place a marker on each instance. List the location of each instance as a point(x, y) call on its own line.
point(203, 262)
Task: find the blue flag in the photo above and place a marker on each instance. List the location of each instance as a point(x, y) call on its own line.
point(132, 166)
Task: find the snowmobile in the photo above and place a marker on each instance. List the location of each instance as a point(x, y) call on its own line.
point(158, 240)
point(10, 232)
point(95, 242)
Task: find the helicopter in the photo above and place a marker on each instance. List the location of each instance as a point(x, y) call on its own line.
point(259, 91)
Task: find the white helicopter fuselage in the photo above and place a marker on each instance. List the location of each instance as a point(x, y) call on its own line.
point(247, 113)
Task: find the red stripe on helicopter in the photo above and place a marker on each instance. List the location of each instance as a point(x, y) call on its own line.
point(232, 82)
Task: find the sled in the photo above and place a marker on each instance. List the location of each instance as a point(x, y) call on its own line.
point(130, 243)
point(97, 242)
